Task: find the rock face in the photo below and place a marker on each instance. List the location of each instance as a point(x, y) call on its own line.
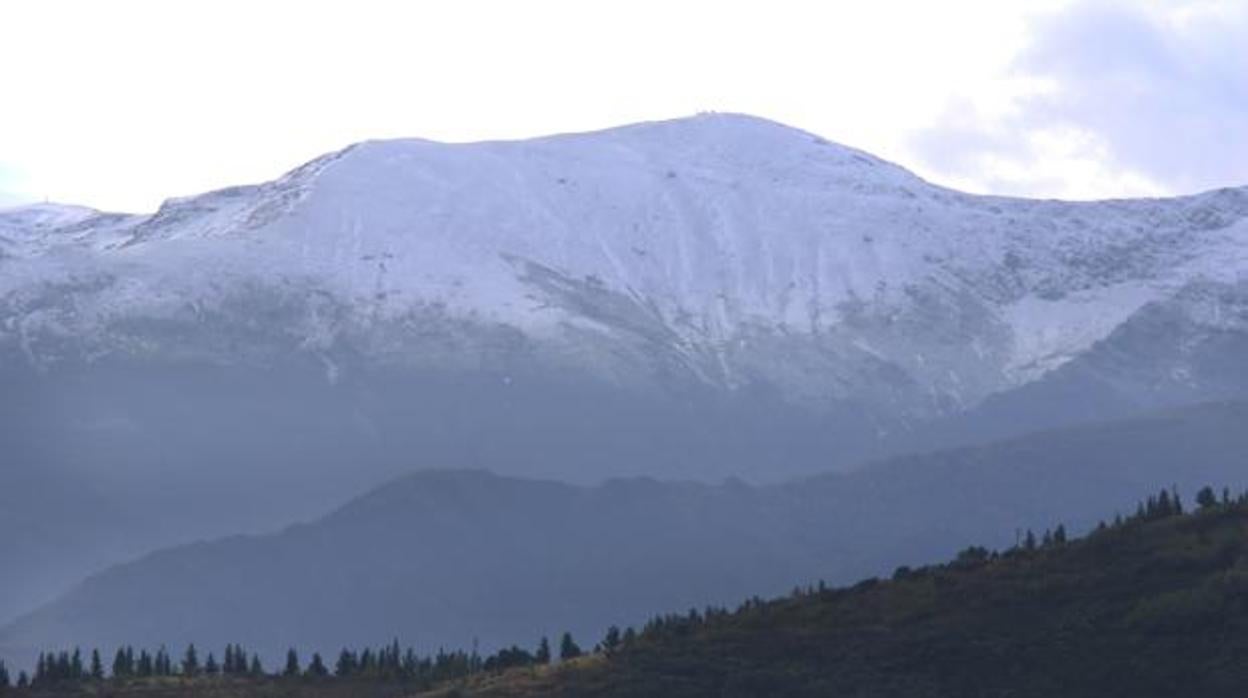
point(712, 296)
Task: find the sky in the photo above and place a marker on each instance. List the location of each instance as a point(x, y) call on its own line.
point(120, 105)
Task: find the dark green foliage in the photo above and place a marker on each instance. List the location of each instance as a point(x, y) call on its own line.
point(5, 681)
point(292, 663)
point(612, 640)
point(145, 665)
point(255, 668)
point(164, 663)
point(97, 666)
point(190, 661)
point(122, 667)
point(543, 652)
point(509, 658)
point(316, 668)
point(568, 649)
point(347, 664)
point(1206, 499)
point(211, 667)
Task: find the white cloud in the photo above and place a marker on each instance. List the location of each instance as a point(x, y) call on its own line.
point(1110, 99)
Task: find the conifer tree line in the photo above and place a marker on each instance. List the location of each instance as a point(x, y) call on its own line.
point(390, 662)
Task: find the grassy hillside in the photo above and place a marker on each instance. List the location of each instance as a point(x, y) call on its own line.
point(1150, 608)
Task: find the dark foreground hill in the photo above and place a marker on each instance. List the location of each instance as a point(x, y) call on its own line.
point(1149, 608)
point(1153, 606)
point(446, 558)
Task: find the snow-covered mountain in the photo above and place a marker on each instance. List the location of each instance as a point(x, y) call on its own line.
point(693, 298)
point(725, 250)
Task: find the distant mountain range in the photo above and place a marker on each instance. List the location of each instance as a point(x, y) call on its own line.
point(451, 558)
point(718, 296)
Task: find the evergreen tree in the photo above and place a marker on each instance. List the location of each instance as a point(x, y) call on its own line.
point(568, 649)
point(145, 666)
point(255, 669)
point(1059, 534)
point(612, 640)
point(347, 664)
point(163, 664)
point(316, 668)
point(5, 681)
point(190, 661)
point(1029, 543)
point(97, 666)
point(23, 680)
point(543, 652)
point(211, 667)
point(76, 669)
point(120, 670)
point(1206, 499)
point(292, 663)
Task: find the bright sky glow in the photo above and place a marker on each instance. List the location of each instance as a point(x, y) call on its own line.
point(121, 104)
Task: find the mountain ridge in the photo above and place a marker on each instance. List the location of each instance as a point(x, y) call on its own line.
point(711, 297)
point(421, 557)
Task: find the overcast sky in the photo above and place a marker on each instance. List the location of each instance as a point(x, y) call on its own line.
point(121, 104)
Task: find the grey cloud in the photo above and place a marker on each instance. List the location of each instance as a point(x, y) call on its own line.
point(1169, 101)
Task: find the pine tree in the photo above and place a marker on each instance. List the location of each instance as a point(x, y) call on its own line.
point(1059, 535)
point(190, 661)
point(1029, 543)
point(1206, 499)
point(145, 666)
point(346, 665)
point(316, 668)
point(120, 670)
point(211, 667)
point(160, 664)
point(23, 680)
point(64, 666)
point(5, 681)
point(292, 663)
point(630, 636)
point(568, 649)
point(97, 666)
point(76, 669)
point(255, 669)
point(543, 652)
point(612, 639)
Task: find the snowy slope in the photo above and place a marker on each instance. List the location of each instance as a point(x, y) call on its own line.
point(727, 249)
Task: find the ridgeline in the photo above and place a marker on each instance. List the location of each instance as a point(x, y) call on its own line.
point(1155, 604)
